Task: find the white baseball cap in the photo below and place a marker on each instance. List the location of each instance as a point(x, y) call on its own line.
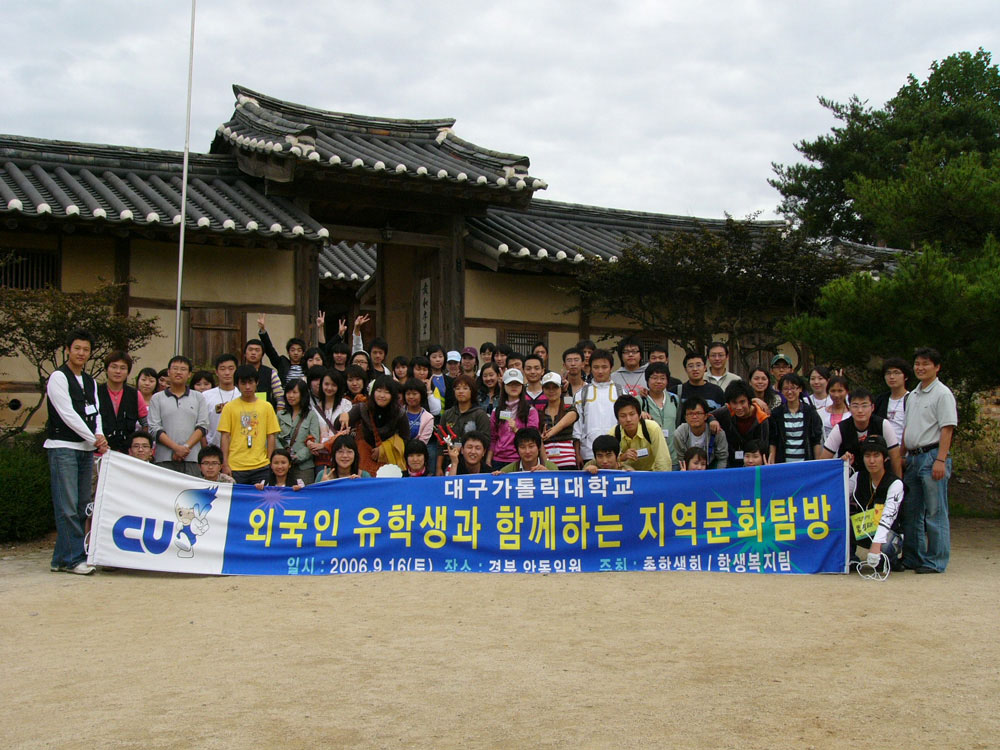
point(513, 375)
point(551, 377)
point(454, 356)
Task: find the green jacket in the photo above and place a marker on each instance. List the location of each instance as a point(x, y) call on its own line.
point(301, 455)
point(516, 467)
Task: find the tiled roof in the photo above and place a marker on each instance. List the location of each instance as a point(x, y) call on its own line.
point(114, 185)
point(567, 232)
point(545, 231)
point(347, 261)
point(425, 150)
point(865, 255)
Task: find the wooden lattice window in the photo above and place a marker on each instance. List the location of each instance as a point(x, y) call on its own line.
point(28, 269)
point(523, 341)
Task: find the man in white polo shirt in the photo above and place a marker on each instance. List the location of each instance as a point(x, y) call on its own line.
point(718, 360)
point(931, 416)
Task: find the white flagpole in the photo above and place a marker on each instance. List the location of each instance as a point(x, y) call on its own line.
point(184, 185)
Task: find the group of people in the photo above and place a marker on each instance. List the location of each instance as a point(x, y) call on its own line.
point(344, 410)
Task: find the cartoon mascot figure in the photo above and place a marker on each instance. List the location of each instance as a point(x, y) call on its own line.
point(191, 507)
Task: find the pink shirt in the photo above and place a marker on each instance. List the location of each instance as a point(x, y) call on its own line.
point(502, 431)
point(116, 402)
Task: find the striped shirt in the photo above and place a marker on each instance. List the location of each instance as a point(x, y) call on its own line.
point(795, 436)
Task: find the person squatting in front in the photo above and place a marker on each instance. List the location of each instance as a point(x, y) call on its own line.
point(876, 489)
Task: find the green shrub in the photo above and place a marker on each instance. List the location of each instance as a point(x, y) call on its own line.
point(25, 499)
point(979, 448)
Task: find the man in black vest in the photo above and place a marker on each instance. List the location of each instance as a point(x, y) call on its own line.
point(743, 421)
point(268, 381)
point(74, 433)
point(880, 491)
point(845, 439)
point(123, 409)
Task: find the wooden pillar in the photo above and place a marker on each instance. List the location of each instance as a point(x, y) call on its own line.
point(451, 300)
point(380, 292)
point(306, 289)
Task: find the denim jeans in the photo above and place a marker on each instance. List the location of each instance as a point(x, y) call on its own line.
point(926, 531)
point(252, 476)
point(71, 473)
point(433, 451)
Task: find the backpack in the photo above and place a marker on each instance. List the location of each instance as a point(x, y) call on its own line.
point(583, 402)
point(642, 424)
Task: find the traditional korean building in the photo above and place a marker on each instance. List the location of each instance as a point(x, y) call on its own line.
point(295, 210)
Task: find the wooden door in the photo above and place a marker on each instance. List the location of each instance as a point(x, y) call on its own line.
point(215, 331)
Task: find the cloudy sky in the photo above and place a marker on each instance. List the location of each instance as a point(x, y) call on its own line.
point(662, 106)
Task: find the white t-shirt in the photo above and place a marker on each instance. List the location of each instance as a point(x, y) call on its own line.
point(819, 403)
point(329, 417)
point(699, 441)
point(896, 413)
point(596, 415)
point(216, 398)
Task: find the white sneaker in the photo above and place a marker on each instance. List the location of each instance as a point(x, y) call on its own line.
point(81, 569)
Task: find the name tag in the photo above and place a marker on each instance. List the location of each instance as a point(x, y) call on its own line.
point(865, 523)
point(568, 400)
point(738, 455)
point(642, 452)
point(506, 414)
point(90, 410)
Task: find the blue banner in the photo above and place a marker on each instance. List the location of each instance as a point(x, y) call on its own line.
point(790, 518)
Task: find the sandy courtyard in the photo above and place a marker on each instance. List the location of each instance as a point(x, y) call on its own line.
point(671, 660)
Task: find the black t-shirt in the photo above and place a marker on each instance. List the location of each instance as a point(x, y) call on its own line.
point(712, 393)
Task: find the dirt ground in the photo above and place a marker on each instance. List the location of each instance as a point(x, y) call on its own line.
point(672, 660)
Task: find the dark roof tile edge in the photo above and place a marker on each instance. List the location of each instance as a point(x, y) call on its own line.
point(110, 156)
point(306, 113)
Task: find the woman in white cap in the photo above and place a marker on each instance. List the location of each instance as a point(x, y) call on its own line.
point(454, 364)
point(514, 413)
point(557, 423)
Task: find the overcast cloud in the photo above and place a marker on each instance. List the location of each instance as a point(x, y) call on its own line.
point(654, 106)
